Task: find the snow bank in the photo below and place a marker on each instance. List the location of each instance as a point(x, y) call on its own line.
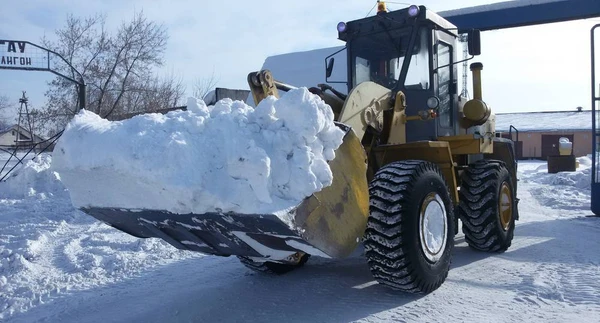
point(563, 190)
point(33, 179)
point(229, 156)
point(581, 178)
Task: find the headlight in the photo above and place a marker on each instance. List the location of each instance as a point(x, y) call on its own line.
point(433, 102)
point(341, 27)
point(413, 10)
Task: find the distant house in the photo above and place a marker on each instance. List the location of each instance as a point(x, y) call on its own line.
point(17, 136)
point(539, 132)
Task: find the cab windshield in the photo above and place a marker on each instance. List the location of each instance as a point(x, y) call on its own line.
point(379, 58)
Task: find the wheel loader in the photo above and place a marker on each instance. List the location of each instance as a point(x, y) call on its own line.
point(416, 158)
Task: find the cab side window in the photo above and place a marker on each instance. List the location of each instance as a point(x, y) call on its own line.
point(444, 80)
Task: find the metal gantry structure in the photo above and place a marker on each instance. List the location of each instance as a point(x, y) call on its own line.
point(27, 56)
point(510, 14)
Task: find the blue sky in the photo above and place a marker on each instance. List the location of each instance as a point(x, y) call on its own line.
point(525, 69)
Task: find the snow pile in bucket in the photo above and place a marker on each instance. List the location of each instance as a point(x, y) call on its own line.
point(229, 156)
point(33, 179)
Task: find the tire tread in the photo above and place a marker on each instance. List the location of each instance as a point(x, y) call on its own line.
point(387, 252)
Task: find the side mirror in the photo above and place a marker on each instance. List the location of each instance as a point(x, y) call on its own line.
point(329, 68)
point(474, 42)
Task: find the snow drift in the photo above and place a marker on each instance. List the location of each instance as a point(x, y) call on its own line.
point(581, 178)
point(33, 179)
point(228, 157)
point(563, 190)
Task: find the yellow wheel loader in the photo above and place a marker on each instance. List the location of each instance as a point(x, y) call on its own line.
point(416, 158)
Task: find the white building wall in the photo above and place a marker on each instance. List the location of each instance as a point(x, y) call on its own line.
point(8, 139)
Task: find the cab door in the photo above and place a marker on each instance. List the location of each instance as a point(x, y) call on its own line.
point(444, 79)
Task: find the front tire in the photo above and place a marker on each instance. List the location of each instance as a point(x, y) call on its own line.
point(488, 206)
point(410, 230)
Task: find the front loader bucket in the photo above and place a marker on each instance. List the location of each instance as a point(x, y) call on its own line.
point(328, 223)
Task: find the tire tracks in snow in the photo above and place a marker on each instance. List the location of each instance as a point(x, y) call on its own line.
point(564, 273)
point(47, 253)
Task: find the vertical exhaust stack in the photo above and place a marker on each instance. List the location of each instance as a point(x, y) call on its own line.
point(476, 69)
point(475, 111)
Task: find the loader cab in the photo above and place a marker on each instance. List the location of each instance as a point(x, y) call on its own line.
point(411, 50)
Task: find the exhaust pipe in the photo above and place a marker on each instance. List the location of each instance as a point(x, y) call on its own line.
point(476, 69)
point(475, 111)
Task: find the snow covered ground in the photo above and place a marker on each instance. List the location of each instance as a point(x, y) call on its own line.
point(5, 156)
point(59, 265)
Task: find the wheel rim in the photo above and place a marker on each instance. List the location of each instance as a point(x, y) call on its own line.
point(433, 227)
point(505, 206)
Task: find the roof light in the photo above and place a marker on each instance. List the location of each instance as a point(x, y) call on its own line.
point(413, 11)
point(341, 27)
point(381, 7)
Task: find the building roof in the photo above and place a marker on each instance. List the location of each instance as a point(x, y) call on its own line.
point(22, 130)
point(307, 68)
point(545, 121)
point(4, 130)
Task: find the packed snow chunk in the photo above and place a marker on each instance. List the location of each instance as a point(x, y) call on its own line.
point(227, 157)
point(585, 161)
point(34, 179)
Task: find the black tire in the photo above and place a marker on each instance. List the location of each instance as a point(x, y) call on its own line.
point(479, 208)
point(393, 246)
point(270, 267)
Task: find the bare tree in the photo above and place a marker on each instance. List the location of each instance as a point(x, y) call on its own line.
point(4, 107)
point(118, 69)
point(203, 86)
point(153, 93)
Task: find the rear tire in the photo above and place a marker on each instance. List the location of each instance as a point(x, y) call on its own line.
point(270, 267)
point(409, 205)
point(488, 206)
